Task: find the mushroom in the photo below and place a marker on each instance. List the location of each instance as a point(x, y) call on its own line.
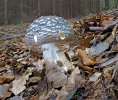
point(51, 32)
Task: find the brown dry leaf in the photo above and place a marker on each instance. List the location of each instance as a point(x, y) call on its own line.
point(97, 92)
point(76, 25)
point(116, 47)
point(93, 58)
point(34, 79)
point(2, 59)
point(6, 79)
point(35, 52)
point(19, 84)
point(84, 43)
point(87, 68)
point(2, 41)
point(35, 98)
point(108, 76)
point(79, 35)
point(114, 31)
point(90, 19)
point(105, 16)
point(2, 69)
point(84, 57)
point(2, 64)
point(24, 62)
point(104, 23)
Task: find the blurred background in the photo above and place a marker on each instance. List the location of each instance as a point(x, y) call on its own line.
point(23, 11)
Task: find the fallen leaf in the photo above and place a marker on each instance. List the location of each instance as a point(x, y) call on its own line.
point(84, 43)
point(84, 57)
point(110, 61)
point(94, 77)
point(98, 49)
point(114, 31)
point(116, 47)
point(19, 84)
point(2, 89)
point(6, 79)
point(87, 68)
point(2, 41)
point(34, 79)
point(1, 69)
point(7, 92)
point(104, 23)
point(2, 59)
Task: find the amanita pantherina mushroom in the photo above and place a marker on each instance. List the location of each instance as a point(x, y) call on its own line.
point(51, 32)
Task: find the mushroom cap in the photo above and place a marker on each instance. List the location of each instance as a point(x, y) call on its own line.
point(49, 29)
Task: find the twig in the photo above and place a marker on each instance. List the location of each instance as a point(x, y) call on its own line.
point(115, 69)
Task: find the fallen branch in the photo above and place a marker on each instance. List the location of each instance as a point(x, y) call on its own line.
point(96, 28)
point(20, 34)
point(16, 36)
point(110, 26)
point(110, 12)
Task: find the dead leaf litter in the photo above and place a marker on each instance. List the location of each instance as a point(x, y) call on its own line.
point(93, 74)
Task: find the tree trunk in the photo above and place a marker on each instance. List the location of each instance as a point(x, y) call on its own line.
point(5, 13)
point(61, 7)
point(71, 7)
point(39, 14)
point(107, 4)
point(54, 7)
point(21, 10)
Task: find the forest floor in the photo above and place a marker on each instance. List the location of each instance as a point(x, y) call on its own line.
point(23, 73)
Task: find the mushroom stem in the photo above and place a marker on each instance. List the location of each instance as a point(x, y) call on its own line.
point(52, 52)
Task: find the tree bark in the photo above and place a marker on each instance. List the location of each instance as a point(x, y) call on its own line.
point(39, 14)
point(21, 10)
point(54, 7)
point(61, 1)
point(5, 13)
